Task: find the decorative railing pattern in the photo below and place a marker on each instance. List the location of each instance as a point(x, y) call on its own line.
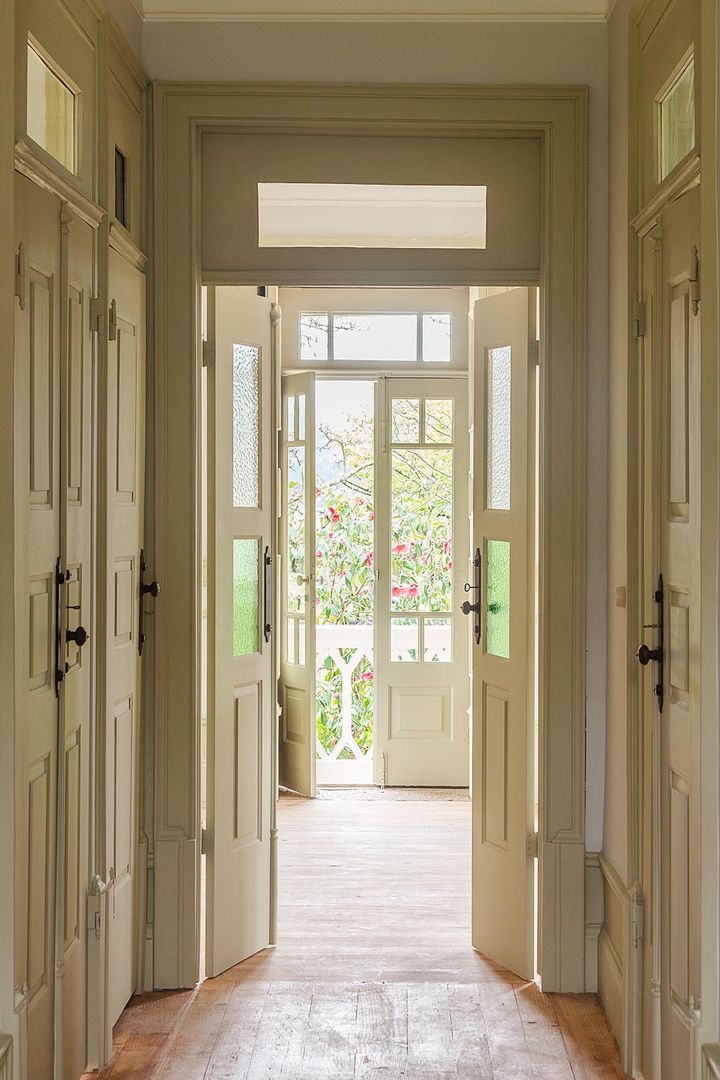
point(711, 1061)
point(347, 647)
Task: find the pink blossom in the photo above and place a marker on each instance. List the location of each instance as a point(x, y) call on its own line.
point(370, 559)
point(334, 516)
point(317, 490)
point(400, 549)
point(412, 590)
point(447, 547)
point(405, 590)
point(372, 515)
point(330, 535)
point(367, 676)
point(318, 554)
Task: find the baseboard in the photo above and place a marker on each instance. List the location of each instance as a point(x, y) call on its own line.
point(594, 908)
point(612, 939)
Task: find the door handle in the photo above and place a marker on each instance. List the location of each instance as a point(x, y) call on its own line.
point(79, 635)
point(647, 655)
point(147, 588)
point(267, 595)
point(466, 606)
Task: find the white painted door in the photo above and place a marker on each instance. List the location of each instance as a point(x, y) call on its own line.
point(421, 557)
point(77, 627)
point(124, 402)
point(37, 350)
point(673, 691)
point(240, 785)
point(503, 791)
point(297, 666)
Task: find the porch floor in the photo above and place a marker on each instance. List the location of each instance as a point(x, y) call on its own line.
point(373, 977)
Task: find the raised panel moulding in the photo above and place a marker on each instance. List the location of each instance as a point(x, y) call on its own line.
point(375, 10)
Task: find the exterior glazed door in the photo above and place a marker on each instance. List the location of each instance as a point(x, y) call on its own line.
point(502, 782)
point(240, 785)
point(297, 666)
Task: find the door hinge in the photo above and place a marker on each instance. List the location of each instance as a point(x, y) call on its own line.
point(534, 353)
point(208, 353)
point(204, 842)
point(694, 280)
point(533, 846)
point(112, 321)
point(636, 915)
point(638, 318)
point(97, 314)
point(21, 276)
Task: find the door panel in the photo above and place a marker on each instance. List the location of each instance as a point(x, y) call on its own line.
point(38, 368)
point(421, 663)
point(240, 691)
point(297, 665)
point(503, 790)
point(124, 488)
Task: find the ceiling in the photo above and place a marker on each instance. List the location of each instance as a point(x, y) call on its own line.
point(376, 10)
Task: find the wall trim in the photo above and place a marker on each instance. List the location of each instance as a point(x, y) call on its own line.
point(30, 164)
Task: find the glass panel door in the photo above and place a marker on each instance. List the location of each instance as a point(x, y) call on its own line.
point(422, 539)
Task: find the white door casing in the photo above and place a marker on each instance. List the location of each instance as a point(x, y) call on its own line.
point(421, 704)
point(241, 707)
point(297, 750)
point(125, 435)
point(503, 715)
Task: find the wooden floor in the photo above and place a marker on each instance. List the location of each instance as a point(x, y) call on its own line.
point(373, 977)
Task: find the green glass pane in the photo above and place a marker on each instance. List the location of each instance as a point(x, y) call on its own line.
point(497, 617)
point(246, 597)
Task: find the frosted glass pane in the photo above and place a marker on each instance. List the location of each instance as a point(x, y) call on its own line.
point(295, 528)
point(291, 650)
point(301, 642)
point(421, 530)
point(436, 338)
point(438, 420)
point(246, 426)
point(246, 597)
point(50, 111)
point(498, 428)
point(437, 647)
point(677, 121)
point(301, 418)
point(314, 337)
point(290, 418)
point(497, 617)
point(375, 337)
point(404, 641)
point(405, 420)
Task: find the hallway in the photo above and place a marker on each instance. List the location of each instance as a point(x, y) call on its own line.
point(373, 976)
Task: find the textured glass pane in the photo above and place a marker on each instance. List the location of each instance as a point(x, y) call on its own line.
point(291, 641)
point(677, 121)
point(246, 426)
point(290, 418)
point(50, 111)
point(301, 418)
point(377, 337)
point(436, 338)
point(498, 428)
point(405, 420)
point(296, 528)
point(497, 634)
point(421, 530)
point(404, 638)
point(246, 597)
point(301, 642)
point(438, 420)
point(314, 337)
point(438, 640)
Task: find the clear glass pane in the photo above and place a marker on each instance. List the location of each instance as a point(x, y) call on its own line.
point(291, 641)
point(301, 418)
point(50, 111)
point(437, 645)
point(499, 367)
point(381, 336)
point(314, 336)
point(677, 121)
point(290, 418)
point(363, 707)
point(344, 500)
point(296, 586)
point(497, 618)
point(246, 596)
point(436, 338)
point(438, 420)
point(405, 420)
point(246, 426)
point(404, 641)
point(421, 530)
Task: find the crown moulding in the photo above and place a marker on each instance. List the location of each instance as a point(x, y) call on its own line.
point(376, 10)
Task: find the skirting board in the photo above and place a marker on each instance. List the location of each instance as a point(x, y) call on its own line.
point(611, 974)
point(594, 912)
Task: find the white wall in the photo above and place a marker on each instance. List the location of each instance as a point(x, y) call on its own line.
point(481, 53)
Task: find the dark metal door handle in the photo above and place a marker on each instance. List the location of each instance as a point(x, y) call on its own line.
point(466, 607)
point(79, 635)
point(267, 595)
point(147, 588)
point(645, 654)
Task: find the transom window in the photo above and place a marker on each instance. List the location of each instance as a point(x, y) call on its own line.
point(377, 337)
point(50, 110)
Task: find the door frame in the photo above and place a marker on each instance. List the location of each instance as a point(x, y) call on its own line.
point(642, 221)
point(557, 117)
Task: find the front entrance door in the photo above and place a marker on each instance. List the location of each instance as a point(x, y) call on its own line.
point(672, 615)
point(241, 703)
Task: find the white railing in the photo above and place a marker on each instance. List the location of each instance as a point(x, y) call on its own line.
point(711, 1061)
point(331, 641)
